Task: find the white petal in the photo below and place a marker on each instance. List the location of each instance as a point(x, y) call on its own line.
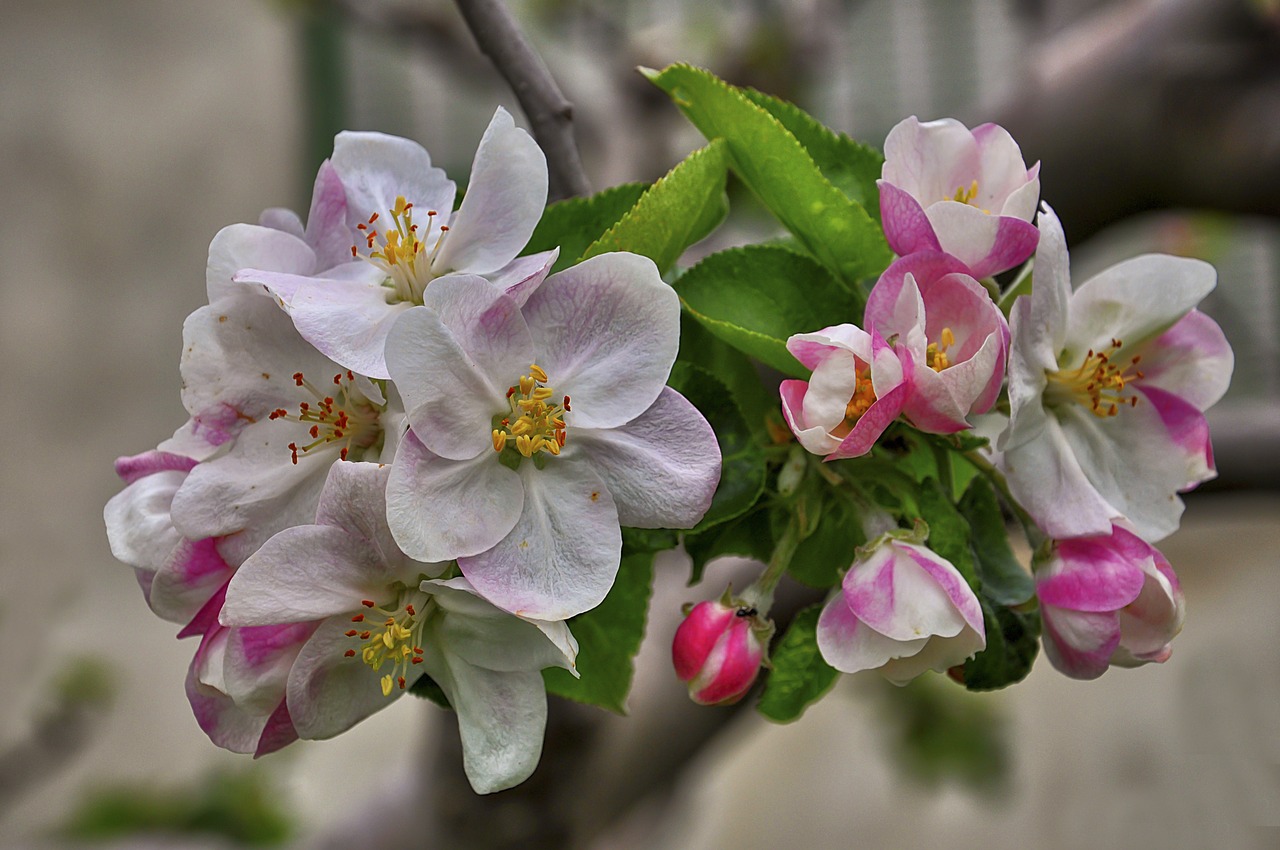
point(1133, 464)
point(486, 636)
point(306, 573)
point(939, 654)
point(346, 317)
point(563, 554)
point(1047, 480)
point(661, 468)
point(606, 331)
point(1134, 301)
point(328, 693)
point(376, 168)
point(139, 528)
point(441, 509)
point(504, 200)
point(501, 718)
point(240, 246)
point(850, 645)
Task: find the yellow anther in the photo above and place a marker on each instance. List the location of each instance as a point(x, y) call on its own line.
point(387, 683)
point(966, 195)
point(534, 425)
point(948, 338)
point(936, 352)
point(1098, 383)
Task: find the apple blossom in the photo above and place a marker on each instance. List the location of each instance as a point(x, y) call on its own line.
point(860, 384)
point(277, 413)
point(718, 649)
point(536, 432)
point(403, 234)
point(1107, 387)
point(968, 193)
point(1107, 600)
point(901, 609)
point(958, 339)
point(377, 620)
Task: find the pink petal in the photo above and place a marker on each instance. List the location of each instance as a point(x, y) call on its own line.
point(906, 227)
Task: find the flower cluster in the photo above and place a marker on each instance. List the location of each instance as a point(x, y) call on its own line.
point(409, 454)
point(1107, 384)
point(416, 443)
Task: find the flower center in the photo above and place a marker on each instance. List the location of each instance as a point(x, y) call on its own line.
point(864, 395)
point(345, 419)
point(1098, 383)
point(936, 352)
point(403, 252)
point(395, 640)
point(533, 425)
point(967, 195)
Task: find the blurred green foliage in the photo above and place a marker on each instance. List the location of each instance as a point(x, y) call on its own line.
point(241, 806)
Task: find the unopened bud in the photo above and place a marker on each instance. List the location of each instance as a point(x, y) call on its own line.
point(718, 650)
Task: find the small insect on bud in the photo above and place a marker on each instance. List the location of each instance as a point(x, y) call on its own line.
point(718, 650)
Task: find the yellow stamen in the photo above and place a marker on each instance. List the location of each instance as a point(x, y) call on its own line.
point(534, 425)
point(1098, 382)
point(936, 352)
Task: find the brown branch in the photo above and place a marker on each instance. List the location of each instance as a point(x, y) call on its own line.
point(550, 114)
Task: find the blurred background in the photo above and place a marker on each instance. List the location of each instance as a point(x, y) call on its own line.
point(132, 130)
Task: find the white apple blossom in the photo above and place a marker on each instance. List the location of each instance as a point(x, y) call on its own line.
point(403, 234)
point(377, 621)
point(535, 433)
point(1108, 386)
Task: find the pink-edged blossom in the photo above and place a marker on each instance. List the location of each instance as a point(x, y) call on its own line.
point(536, 431)
point(377, 620)
point(860, 383)
point(1107, 388)
point(718, 649)
point(403, 233)
point(236, 681)
point(901, 609)
point(1107, 600)
point(957, 338)
point(269, 414)
point(966, 192)
point(178, 575)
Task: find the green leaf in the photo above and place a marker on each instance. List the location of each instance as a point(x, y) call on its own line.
point(850, 165)
point(572, 225)
point(756, 296)
point(732, 368)
point(1013, 639)
point(748, 536)
point(821, 556)
point(609, 636)
point(672, 214)
point(775, 166)
point(636, 541)
point(742, 470)
point(1004, 580)
point(948, 531)
point(800, 677)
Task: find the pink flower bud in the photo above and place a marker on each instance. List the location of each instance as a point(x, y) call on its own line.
point(1108, 600)
point(718, 650)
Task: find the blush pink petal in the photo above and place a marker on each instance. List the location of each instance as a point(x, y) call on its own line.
point(1192, 360)
point(606, 332)
point(1080, 643)
point(376, 168)
point(850, 645)
point(906, 227)
point(661, 468)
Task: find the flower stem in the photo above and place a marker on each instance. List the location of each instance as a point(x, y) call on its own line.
point(760, 594)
